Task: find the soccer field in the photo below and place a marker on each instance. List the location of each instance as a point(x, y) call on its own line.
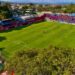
point(40, 35)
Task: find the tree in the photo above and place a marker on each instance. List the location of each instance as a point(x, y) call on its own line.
point(5, 11)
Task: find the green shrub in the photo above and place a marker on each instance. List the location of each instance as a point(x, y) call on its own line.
point(51, 61)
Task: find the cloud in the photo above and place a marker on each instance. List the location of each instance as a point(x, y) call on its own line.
point(42, 1)
point(5, 0)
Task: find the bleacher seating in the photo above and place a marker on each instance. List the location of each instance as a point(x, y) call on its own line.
point(15, 23)
point(9, 24)
point(60, 17)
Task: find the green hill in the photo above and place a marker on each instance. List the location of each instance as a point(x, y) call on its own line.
point(40, 35)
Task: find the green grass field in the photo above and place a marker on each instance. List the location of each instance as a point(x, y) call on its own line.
point(40, 35)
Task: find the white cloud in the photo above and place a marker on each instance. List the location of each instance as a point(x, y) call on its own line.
point(42, 1)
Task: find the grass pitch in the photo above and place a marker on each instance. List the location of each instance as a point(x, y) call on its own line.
point(40, 35)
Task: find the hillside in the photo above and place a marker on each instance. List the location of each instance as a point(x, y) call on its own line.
point(40, 35)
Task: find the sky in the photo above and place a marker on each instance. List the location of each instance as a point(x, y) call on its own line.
point(42, 1)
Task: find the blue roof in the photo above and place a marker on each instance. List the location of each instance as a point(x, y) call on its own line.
point(42, 1)
point(5, 22)
point(73, 14)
